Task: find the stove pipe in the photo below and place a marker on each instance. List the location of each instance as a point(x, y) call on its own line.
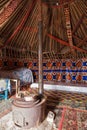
point(40, 59)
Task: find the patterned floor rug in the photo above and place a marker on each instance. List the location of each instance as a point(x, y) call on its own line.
point(72, 119)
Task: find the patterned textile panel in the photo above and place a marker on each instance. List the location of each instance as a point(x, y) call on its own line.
point(71, 71)
point(63, 70)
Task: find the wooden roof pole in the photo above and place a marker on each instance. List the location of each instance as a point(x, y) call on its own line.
point(20, 26)
point(40, 52)
point(68, 26)
point(66, 43)
point(78, 24)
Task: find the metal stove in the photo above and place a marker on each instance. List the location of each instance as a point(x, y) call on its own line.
point(27, 114)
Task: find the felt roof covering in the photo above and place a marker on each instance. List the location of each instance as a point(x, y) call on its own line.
point(64, 27)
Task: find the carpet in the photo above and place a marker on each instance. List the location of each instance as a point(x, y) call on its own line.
point(60, 98)
point(73, 104)
point(72, 119)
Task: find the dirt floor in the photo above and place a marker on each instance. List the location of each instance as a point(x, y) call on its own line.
point(58, 107)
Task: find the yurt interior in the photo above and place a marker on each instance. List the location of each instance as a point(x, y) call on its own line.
point(43, 64)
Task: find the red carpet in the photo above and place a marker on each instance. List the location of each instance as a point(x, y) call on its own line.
point(72, 119)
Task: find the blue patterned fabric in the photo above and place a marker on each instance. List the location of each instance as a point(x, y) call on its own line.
point(23, 74)
point(4, 84)
point(62, 70)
